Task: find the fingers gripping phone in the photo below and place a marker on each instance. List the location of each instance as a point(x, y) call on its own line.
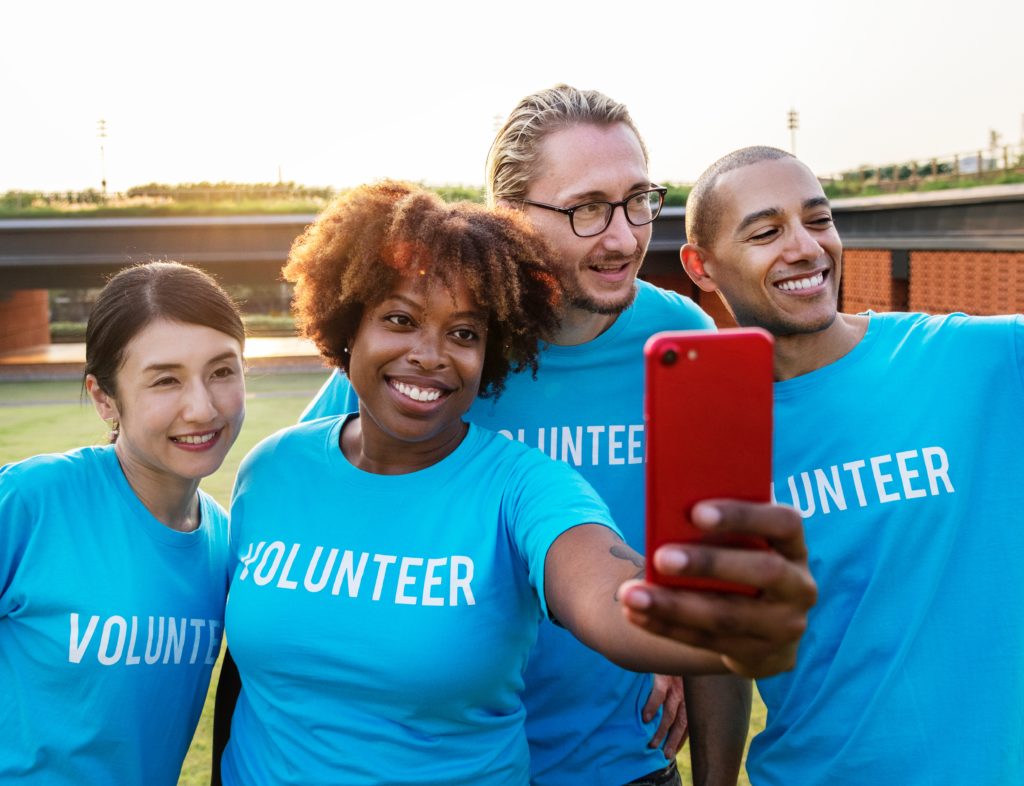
point(708, 424)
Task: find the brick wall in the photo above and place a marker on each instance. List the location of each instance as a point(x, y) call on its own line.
point(975, 282)
point(24, 319)
point(867, 281)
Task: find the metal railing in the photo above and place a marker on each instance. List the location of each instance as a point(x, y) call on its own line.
point(1004, 163)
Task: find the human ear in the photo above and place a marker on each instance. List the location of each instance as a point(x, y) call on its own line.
point(693, 258)
point(106, 406)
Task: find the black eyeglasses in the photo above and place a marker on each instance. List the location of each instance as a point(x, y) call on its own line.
point(593, 218)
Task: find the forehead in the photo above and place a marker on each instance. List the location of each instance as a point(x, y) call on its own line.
point(431, 292)
point(167, 342)
point(585, 160)
point(784, 185)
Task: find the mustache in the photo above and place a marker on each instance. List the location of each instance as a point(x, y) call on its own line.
point(613, 257)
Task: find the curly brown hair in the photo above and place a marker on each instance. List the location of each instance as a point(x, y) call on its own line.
point(352, 255)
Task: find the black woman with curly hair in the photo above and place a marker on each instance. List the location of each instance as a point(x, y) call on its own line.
point(393, 563)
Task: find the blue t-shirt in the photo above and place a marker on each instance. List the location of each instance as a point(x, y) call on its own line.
point(110, 623)
point(585, 408)
point(905, 459)
point(381, 623)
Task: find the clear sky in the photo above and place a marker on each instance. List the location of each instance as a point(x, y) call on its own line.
point(337, 93)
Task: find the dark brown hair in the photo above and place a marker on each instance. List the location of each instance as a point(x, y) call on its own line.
point(352, 255)
point(137, 296)
point(703, 211)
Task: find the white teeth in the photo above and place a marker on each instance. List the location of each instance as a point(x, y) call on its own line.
point(418, 394)
point(802, 283)
point(196, 440)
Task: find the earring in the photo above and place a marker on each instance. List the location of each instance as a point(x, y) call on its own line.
point(115, 428)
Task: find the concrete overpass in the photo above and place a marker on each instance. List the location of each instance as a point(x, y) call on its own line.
point(892, 242)
point(69, 253)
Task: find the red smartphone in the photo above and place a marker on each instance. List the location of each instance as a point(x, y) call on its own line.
point(708, 430)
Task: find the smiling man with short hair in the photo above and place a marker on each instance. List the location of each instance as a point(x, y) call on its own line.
point(897, 437)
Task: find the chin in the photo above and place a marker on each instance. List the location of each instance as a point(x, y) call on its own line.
point(607, 305)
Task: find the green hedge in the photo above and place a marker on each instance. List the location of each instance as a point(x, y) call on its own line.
point(255, 325)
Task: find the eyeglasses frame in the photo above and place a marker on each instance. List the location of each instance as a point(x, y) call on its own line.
point(569, 211)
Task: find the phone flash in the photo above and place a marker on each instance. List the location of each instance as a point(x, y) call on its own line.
point(692, 354)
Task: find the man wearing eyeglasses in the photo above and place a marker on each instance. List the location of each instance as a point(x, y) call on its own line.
point(574, 162)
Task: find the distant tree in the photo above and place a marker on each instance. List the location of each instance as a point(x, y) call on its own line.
point(458, 193)
point(677, 193)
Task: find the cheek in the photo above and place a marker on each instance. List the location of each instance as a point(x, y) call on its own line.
point(644, 234)
point(231, 402)
point(145, 415)
point(471, 366)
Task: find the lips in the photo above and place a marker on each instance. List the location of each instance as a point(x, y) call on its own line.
point(613, 270)
point(420, 393)
point(200, 441)
point(798, 284)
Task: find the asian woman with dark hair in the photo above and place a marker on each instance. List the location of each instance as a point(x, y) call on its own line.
point(112, 562)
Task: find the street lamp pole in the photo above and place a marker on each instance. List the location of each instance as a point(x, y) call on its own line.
point(101, 133)
point(793, 123)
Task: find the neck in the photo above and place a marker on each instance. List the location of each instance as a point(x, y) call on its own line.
point(803, 353)
point(172, 500)
point(367, 451)
point(578, 326)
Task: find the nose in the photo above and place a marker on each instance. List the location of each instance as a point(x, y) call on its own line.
point(427, 351)
point(198, 406)
point(621, 236)
point(802, 246)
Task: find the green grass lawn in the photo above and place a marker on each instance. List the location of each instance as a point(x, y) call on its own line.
point(45, 417)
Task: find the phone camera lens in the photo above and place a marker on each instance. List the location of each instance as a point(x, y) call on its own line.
point(668, 357)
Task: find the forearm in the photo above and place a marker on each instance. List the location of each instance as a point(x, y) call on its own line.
point(718, 710)
point(585, 568)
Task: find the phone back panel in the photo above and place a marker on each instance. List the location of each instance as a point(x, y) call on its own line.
point(708, 425)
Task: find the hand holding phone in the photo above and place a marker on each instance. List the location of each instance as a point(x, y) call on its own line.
point(708, 423)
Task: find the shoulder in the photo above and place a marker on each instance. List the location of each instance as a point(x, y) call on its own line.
point(333, 398)
point(654, 303)
point(969, 344)
point(284, 447)
point(39, 473)
point(52, 486)
point(951, 327)
point(213, 514)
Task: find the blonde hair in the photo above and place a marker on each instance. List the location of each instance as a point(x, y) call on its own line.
point(513, 158)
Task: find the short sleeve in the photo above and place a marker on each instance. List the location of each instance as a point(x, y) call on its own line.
point(15, 521)
point(548, 499)
point(335, 397)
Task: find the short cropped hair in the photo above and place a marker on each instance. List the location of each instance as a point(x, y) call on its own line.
point(513, 159)
point(703, 208)
point(139, 295)
point(351, 257)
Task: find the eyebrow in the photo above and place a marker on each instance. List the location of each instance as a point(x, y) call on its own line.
point(460, 315)
point(774, 212)
point(601, 196)
point(229, 355)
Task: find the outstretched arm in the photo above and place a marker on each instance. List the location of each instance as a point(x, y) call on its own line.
point(755, 636)
point(674, 631)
